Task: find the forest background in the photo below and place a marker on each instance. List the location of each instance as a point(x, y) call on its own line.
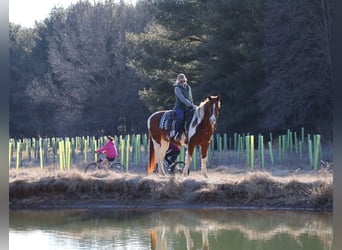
point(103, 68)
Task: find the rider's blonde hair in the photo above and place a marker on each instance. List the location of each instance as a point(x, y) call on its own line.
point(181, 76)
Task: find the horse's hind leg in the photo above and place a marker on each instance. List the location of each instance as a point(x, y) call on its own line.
point(159, 150)
point(164, 145)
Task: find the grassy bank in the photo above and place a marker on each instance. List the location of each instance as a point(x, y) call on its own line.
point(227, 186)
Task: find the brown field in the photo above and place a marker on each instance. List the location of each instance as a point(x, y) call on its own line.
point(227, 186)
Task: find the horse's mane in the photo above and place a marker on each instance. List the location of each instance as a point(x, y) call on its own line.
point(200, 110)
point(204, 102)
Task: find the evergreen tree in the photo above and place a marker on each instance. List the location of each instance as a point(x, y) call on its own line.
point(216, 44)
point(297, 58)
point(21, 43)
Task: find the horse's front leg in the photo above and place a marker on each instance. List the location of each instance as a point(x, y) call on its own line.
point(188, 159)
point(204, 151)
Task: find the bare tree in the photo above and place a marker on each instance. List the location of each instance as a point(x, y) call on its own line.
point(89, 81)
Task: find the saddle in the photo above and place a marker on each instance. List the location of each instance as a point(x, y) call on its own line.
point(169, 118)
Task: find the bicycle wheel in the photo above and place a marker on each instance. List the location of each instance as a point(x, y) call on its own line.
point(179, 166)
point(91, 167)
point(117, 167)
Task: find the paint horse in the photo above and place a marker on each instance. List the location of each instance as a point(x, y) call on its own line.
point(200, 132)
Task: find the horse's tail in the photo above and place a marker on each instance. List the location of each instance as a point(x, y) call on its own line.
point(152, 158)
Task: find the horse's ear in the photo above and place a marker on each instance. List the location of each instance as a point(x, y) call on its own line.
point(213, 97)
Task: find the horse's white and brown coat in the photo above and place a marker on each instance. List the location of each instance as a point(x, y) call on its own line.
point(200, 133)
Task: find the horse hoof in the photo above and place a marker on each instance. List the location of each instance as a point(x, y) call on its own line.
point(161, 174)
point(205, 175)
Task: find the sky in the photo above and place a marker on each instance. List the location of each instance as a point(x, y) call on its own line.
point(26, 12)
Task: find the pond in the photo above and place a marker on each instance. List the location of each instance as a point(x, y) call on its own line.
point(170, 229)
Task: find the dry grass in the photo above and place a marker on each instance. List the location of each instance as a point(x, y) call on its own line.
point(226, 186)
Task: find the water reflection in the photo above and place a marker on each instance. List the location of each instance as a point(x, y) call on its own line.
point(170, 229)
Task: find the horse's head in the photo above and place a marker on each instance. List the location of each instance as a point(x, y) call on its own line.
point(214, 106)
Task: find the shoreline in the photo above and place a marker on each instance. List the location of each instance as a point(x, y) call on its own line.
point(98, 205)
point(225, 189)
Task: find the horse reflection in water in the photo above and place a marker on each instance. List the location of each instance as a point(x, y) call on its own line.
point(159, 241)
point(201, 129)
point(190, 241)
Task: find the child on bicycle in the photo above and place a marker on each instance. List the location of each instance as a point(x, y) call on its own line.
point(109, 149)
point(171, 155)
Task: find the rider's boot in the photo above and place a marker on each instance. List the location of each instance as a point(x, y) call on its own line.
point(177, 134)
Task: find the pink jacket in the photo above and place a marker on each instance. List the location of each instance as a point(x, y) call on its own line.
point(109, 149)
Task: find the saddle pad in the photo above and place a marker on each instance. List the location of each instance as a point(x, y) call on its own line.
point(166, 119)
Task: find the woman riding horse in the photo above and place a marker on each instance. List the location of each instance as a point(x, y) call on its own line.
point(201, 129)
point(183, 99)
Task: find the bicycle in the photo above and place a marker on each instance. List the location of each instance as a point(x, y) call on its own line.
point(174, 167)
point(113, 165)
